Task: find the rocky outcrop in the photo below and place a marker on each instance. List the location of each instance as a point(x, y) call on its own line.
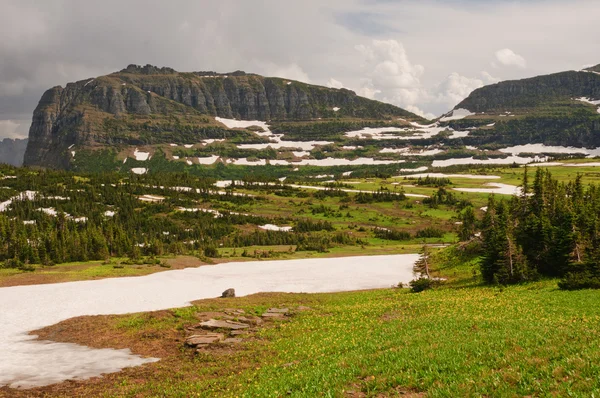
point(556, 109)
point(12, 151)
point(74, 114)
point(533, 92)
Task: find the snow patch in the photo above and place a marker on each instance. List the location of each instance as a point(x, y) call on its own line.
point(271, 227)
point(29, 363)
point(457, 114)
point(208, 160)
point(141, 156)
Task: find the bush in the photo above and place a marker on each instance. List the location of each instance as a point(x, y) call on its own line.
point(430, 233)
point(578, 281)
point(211, 251)
point(421, 284)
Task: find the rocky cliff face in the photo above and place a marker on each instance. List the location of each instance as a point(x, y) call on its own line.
point(12, 151)
point(533, 92)
point(74, 114)
point(556, 109)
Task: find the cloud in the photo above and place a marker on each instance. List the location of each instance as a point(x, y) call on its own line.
point(409, 48)
point(14, 128)
point(291, 71)
point(388, 73)
point(508, 57)
point(332, 83)
point(390, 76)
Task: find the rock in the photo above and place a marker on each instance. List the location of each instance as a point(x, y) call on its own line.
point(237, 332)
point(278, 310)
point(232, 311)
point(228, 293)
point(203, 339)
point(216, 324)
point(59, 120)
point(272, 315)
point(232, 341)
point(253, 321)
point(275, 313)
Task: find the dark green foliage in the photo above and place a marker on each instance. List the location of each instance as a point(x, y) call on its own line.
point(384, 233)
point(381, 195)
point(99, 216)
point(431, 181)
point(308, 225)
point(551, 229)
point(429, 232)
point(441, 197)
point(421, 284)
point(468, 224)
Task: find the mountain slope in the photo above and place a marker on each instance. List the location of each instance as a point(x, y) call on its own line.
point(118, 109)
point(12, 151)
point(556, 109)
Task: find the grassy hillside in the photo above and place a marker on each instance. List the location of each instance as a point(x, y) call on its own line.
point(462, 339)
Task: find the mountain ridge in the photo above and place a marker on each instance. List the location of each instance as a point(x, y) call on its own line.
point(75, 114)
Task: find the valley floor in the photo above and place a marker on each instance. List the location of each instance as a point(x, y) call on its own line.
point(462, 339)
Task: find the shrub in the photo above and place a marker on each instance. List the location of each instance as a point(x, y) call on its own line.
point(578, 281)
point(421, 284)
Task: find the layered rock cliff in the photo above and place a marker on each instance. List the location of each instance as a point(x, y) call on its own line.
point(557, 109)
point(75, 114)
point(534, 92)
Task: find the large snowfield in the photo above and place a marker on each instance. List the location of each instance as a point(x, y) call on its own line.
point(25, 362)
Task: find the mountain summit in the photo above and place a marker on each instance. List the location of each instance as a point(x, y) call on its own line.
point(114, 109)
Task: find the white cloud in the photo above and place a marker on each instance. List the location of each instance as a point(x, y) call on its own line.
point(332, 83)
point(14, 128)
point(44, 45)
point(508, 57)
point(418, 111)
point(455, 88)
point(390, 76)
point(388, 73)
point(291, 71)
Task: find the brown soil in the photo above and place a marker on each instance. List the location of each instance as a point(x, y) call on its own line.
point(161, 335)
point(64, 273)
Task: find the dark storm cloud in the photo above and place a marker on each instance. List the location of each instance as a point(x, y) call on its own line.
point(432, 52)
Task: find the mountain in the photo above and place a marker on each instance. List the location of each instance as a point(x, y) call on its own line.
point(556, 109)
point(12, 151)
point(150, 105)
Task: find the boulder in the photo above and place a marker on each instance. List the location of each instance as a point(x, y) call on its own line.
point(223, 324)
point(203, 339)
point(275, 313)
point(228, 293)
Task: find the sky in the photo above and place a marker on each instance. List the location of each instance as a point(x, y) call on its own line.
point(423, 55)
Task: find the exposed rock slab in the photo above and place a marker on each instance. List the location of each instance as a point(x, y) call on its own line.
point(223, 324)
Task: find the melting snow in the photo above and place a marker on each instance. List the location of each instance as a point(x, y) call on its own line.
point(588, 101)
point(305, 145)
point(142, 156)
point(271, 227)
point(496, 188)
point(442, 175)
point(457, 114)
point(335, 109)
point(246, 162)
point(471, 160)
point(151, 198)
point(139, 170)
point(29, 363)
point(209, 160)
point(541, 148)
